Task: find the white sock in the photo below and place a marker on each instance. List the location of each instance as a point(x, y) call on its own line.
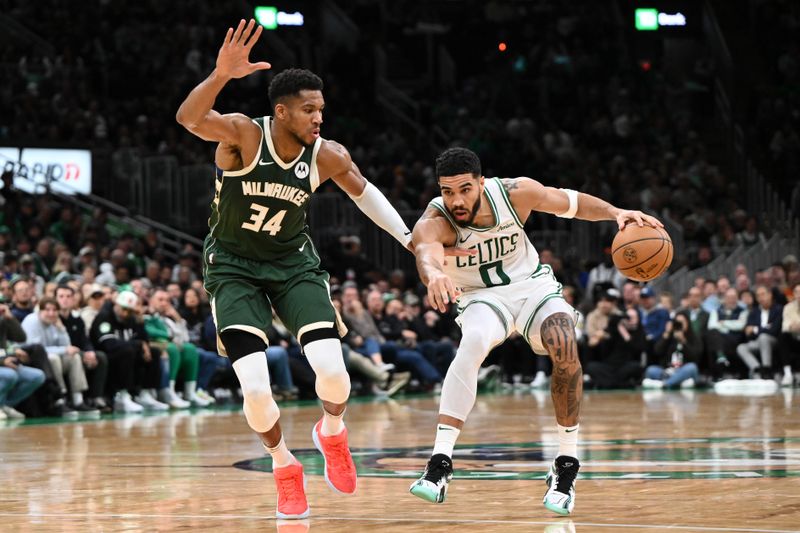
point(189, 390)
point(332, 424)
point(787, 370)
point(77, 398)
point(281, 456)
point(446, 437)
point(568, 440)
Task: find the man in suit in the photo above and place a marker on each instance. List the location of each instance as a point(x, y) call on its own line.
point(761, 332)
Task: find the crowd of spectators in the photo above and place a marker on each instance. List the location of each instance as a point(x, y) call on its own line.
point(96, 318)
point(748, 328)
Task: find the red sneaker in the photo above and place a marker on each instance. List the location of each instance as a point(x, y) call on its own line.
point(291, 482)
point(340, 471)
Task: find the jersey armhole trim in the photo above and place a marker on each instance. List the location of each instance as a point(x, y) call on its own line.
point(314, 177)
point(507, 199)
point(254, 162)
point(435, 204)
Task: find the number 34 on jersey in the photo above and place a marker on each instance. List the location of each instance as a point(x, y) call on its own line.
point(257, 217)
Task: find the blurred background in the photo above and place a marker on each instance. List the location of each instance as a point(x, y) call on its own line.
point(688, 110)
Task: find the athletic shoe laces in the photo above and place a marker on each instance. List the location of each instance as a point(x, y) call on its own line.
point(567, 471)
point(437, 469)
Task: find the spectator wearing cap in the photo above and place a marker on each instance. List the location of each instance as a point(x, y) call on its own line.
point(761, 334)
point(86, 258)
point(17, 380)
point(596, 330)
point(654, 318)
point(95, 363)
point(725, 333)
point(94, 297)
point(45, 328)
point(132, 365)
point(22, 297)
point(789, 340)
point(28, 269)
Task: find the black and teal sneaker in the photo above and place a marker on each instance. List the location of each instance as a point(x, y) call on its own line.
point(560, 495)
point(432, 486)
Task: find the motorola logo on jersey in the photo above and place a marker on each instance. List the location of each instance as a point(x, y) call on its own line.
point(301, 170)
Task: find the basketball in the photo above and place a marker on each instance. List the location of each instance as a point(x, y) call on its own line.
point(641, 253)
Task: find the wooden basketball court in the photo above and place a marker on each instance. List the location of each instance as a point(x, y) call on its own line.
point(662, 461)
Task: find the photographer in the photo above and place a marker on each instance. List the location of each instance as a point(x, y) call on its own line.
point(620, 366)
point(677, 351)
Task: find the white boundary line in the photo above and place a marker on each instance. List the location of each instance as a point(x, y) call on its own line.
point(397, 519)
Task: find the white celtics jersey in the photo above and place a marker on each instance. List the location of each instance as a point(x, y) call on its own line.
point(505, 255)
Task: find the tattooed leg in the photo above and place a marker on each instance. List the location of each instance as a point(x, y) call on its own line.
point(566, 384)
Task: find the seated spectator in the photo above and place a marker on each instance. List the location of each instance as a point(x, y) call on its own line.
point(440, 352)
point(45, 328)
point(133, 366)
point(167, 330)
point(17, 381)
point(725, 332)
point(654, 319)
point(597, 333)
point(23, 300)
point(676, 352)
point(621, 365)
point(95, 297)
point(195, 316)
point(711, 299)
point(95, 363)
point(789, 340)
point(761, 334)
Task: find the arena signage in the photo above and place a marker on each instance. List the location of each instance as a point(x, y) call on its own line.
point(37, 169)
point(270, 17)
point(650, 19)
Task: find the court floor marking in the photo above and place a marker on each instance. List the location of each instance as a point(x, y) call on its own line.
point(399, 519)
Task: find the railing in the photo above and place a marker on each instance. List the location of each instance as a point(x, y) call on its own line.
point(754, 258)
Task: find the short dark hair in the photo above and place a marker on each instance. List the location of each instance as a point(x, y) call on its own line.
point(48, 300)
point(455, 161)
point(65, 287)
point(290, 82)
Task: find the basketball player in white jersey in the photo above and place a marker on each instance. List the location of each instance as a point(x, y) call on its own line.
point(500, 289)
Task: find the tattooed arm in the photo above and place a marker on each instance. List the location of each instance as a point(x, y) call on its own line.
point(529, 195)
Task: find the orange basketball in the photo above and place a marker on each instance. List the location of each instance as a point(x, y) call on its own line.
point(641, 253)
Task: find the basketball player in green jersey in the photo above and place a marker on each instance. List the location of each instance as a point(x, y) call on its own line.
point(502, 289)
point(258, 254)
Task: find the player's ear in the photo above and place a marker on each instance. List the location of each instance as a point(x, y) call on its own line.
point(281, 111)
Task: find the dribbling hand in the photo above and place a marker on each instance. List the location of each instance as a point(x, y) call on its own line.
point(233, 60)
point(638, 217)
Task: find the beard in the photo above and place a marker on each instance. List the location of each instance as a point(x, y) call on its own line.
point(302, 142)
point(472, 214)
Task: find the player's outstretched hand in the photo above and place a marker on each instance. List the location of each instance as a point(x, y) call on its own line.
point(233, 60)
point(441, 292)
point(638, 217)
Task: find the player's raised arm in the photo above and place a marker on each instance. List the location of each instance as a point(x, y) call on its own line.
point(196, 113)
point(530, 195)
point(334, 161)
point(431, 233)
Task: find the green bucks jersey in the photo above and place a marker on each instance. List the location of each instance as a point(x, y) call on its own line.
point(259, 212)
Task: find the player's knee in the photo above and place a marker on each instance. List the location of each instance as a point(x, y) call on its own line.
point(558, 338)
point(334, 387)
point(239, 343)
point(260, 408)
point(474, 342)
